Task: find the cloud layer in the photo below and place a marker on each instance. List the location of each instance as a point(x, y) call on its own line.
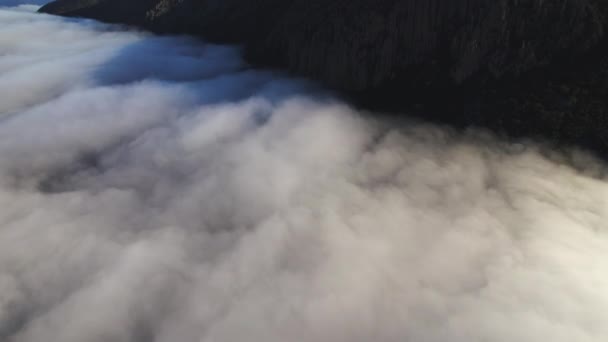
point(12, 3)
point(158, 189)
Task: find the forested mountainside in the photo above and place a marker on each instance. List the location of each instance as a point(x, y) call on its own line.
point(523, 67)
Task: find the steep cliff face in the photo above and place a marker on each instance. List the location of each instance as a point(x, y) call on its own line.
point(442, 40)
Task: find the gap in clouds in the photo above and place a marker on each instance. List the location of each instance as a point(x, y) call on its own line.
point(159, 189)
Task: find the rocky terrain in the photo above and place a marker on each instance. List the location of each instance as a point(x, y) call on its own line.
point(520, 67)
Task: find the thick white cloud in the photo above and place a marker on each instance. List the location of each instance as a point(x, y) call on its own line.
point(157, 189)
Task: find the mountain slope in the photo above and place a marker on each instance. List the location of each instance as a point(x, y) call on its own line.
point(522, 67)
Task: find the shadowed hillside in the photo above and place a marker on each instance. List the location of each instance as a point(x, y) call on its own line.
point(520, 67)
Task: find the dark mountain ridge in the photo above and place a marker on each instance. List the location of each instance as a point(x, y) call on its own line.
point(521, 67)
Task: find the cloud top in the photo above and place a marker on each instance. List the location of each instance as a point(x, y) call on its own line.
point(158, 189)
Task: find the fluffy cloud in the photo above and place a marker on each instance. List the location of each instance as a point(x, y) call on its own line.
point(158, 189)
